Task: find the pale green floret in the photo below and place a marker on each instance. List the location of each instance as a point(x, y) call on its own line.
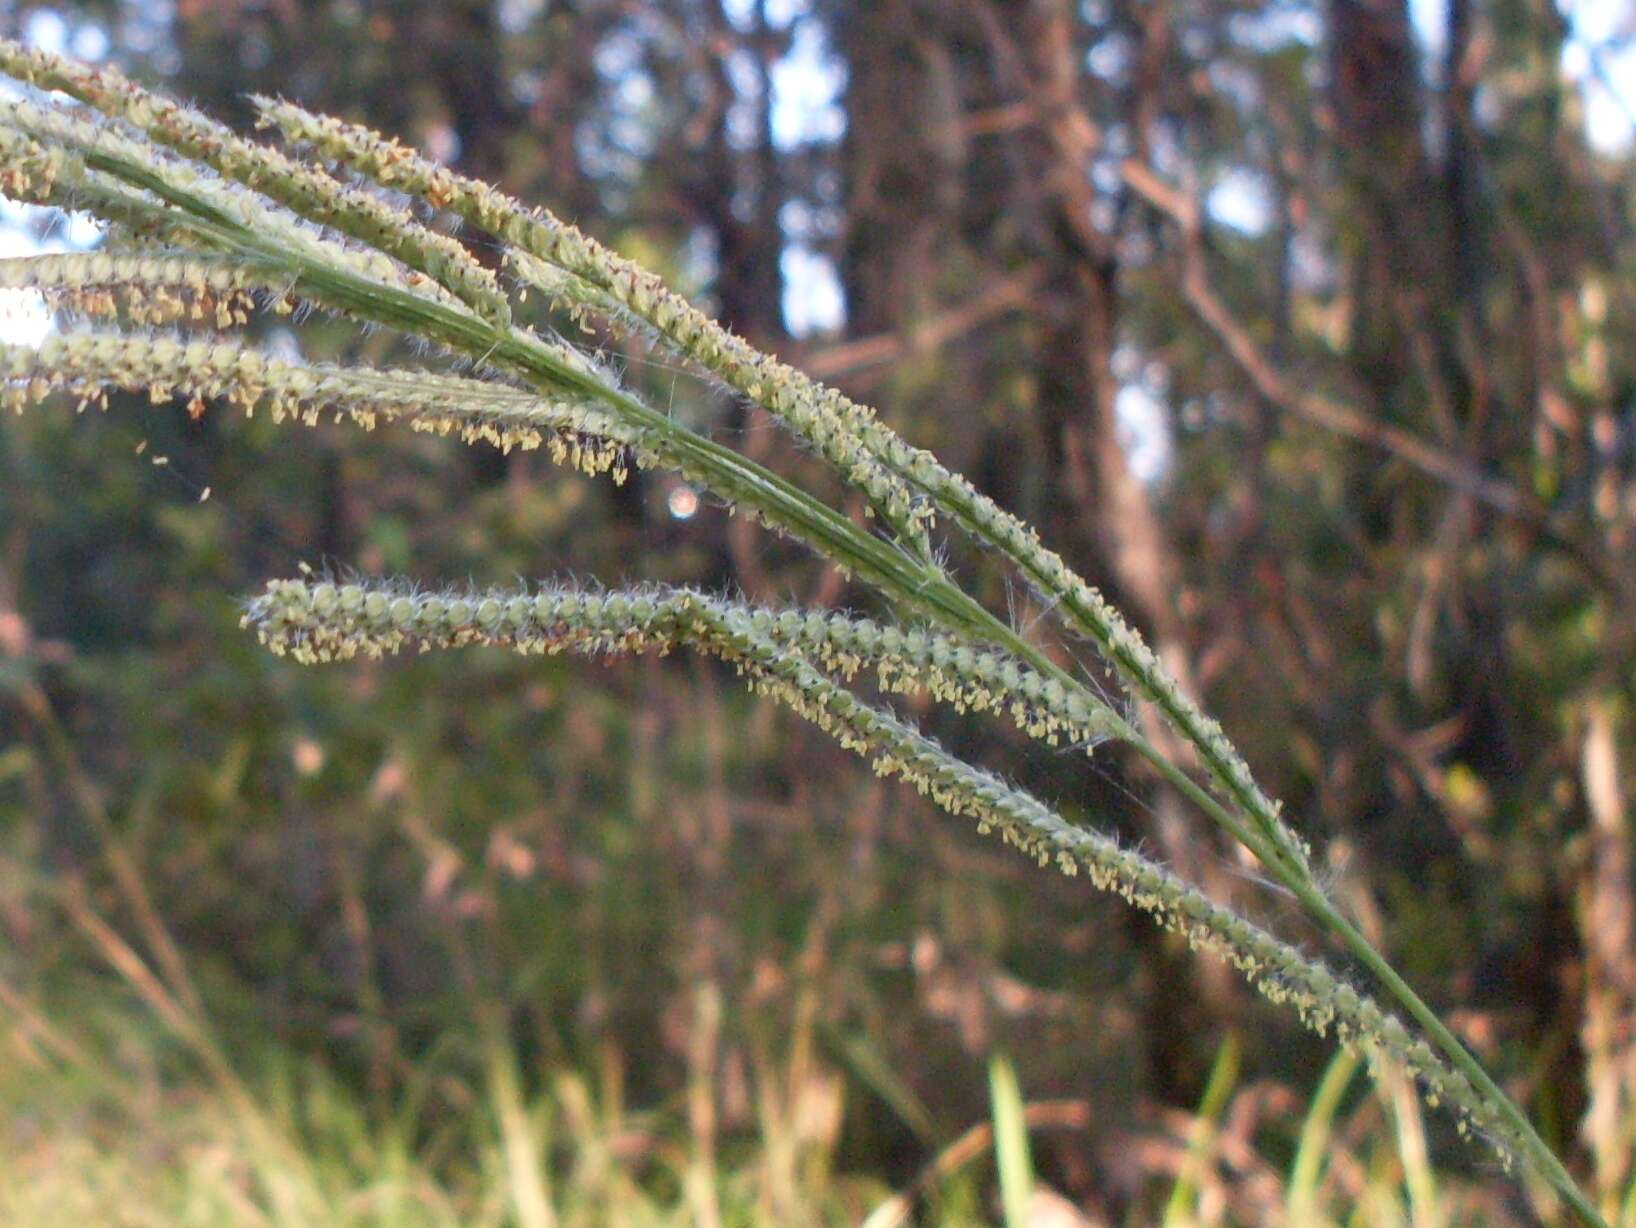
point(401, 612)
point(374, 606)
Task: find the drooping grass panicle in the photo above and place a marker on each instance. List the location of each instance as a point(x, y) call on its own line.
point(323, 621)
point(374, 286)
point(306, 190)
point(907, 480)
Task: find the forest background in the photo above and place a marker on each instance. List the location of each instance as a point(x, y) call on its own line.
point(1302, 329)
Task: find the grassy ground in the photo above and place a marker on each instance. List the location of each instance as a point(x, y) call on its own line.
point(118, 1115)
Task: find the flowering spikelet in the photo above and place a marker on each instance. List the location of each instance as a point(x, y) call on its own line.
point(324, 621)
point(43, 173)
point(138, 160)
point(86, 364)
point(151, 287)
point(306, 190)
point(28, 169)
point(903, 661)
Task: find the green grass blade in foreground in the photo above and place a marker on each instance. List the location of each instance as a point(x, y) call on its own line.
point(1218, 1089)
point(1011, 1155)
point(1301, 1192)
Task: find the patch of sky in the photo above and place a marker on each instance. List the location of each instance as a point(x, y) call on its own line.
point(1601, 59)
point(1238, 82)
point(1106, 175)
point(1312, 267)
point(744, 115)
point(813, 299)
point(26, 230)
point(1242, 200)
point(49, 30)
point(1142, 414)
point(779, 13)
point(803, 222)
point(1110, 59)
point(614, 144)
point(697, 258)
point(1276, 26)
point(145, 31)
point(514, 16)
point(1598, 57)
point(807, 84)
point(1199, 41)
point(526, 86)
point(1430, 19)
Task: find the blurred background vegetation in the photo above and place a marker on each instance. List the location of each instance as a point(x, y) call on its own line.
point(1302, 328)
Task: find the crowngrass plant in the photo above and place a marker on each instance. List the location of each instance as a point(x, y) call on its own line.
point(206, 226)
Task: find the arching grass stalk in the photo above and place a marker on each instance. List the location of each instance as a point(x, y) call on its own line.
point(163, 172)
point(575, 268)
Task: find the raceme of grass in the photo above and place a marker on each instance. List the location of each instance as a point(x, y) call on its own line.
point(207, 223)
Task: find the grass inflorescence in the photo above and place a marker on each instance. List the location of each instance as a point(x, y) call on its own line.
point(213, 226)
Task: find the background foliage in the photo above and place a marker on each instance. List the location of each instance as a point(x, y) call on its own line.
point(1296, 327)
